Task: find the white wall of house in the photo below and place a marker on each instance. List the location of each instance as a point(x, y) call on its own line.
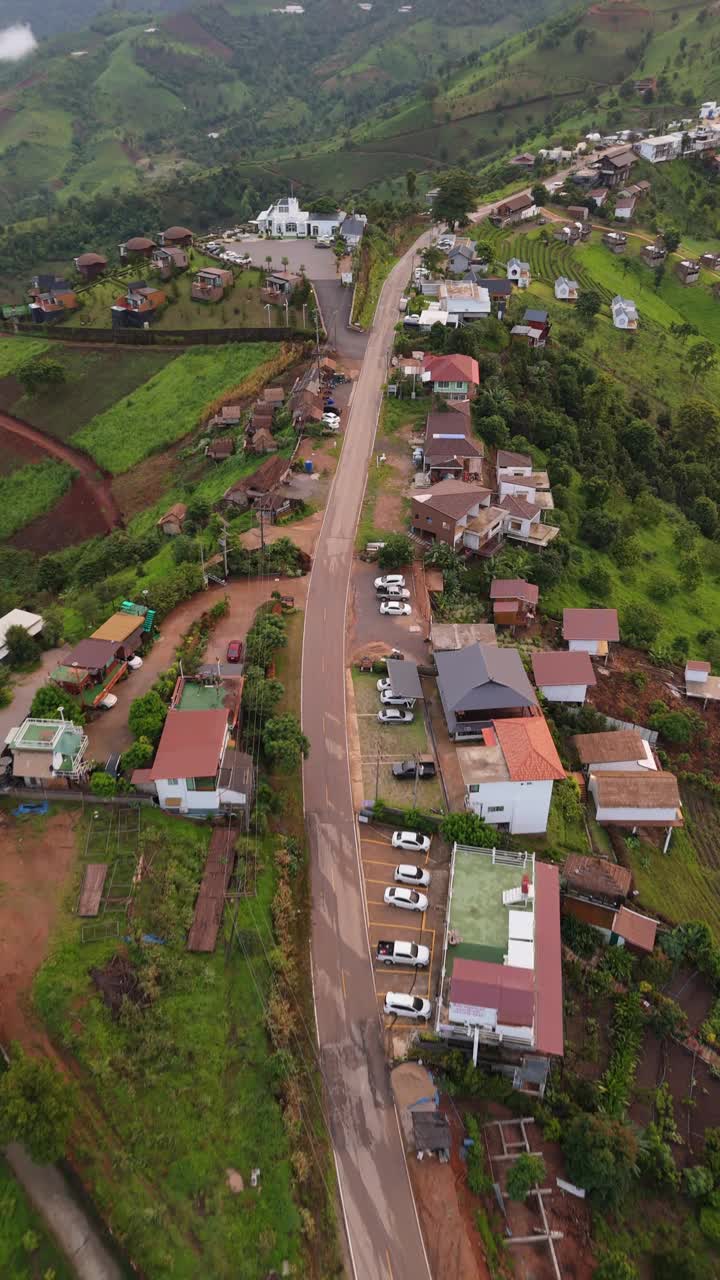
point(636, 817)
point(584, 646)
point(173, 793)
point(516, 484)
point(524, 806)
point(564, 692)
point(520, 526)
point(473, 541)
point(463, 1015)
point(509, 473)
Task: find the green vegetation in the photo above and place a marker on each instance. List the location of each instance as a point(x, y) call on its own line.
point(377, 258)
point(37, 1104)
point(15, 352)
point(184, 1086)
point(30, 492)
point(678, 886)
point(26, 1248)
point(169, 405)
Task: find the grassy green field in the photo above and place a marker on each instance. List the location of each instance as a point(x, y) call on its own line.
point(31, 491)
point(15, 351)
point(95, 380)
point(27, 1250)
point(181, 1091)
point(677, 885)
point(169, 406)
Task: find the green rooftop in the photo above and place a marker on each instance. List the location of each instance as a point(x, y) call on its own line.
point(195, 696)
point(477, 911)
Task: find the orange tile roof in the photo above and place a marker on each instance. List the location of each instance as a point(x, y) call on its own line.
point(528, 748)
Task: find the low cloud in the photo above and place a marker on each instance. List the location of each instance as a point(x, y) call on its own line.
point(16, 42)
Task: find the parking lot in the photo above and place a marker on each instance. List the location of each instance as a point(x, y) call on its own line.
point(389, 923)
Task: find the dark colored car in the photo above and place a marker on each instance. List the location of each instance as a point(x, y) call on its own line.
point(235, 651)
point(406, 769)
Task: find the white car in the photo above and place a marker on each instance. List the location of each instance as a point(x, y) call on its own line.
point(108, 702)
point(135, 662)
point(395, 715)
point(383, 684)
point(390, 699)
point(407, 873)
point(389, 580)
point(332, 419)
point(407, 1006)
point(396, 608)
point(408, 899)
point(412, 841)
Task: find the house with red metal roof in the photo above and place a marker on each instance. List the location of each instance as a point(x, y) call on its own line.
point(501, 984)
point(455, 377)
point(196, 771)
point(562, 676)
point(592, 630)
point(509, 774)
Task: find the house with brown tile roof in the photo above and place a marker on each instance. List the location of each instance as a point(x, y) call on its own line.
point(620, 750)
point(597, 878)
point(640, 799)
point(174, 519)
point(220, 449)
point(449, 448)
point(440, 513)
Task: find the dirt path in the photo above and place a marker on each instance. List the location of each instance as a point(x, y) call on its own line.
point(36, 860)
point(96, 481)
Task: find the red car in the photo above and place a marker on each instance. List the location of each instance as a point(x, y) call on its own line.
point(235, 651)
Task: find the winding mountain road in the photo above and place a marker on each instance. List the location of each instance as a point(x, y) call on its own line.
point(384, 1237)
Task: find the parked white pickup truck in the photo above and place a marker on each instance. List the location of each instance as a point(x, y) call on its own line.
point(409, 953)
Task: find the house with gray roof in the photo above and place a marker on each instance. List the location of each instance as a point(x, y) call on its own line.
point(480, 683)
point(352, 229)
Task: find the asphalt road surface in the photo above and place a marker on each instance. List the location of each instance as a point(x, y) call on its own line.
point(384, 1236)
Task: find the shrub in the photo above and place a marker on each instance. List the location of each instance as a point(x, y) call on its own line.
point(396, 553)
point(710, 1224)
point(615, 1266)
point(525, 1173)
point(146, 716)
point(22, 648)
point(103, 784)
point(601, 1155)
point(36, 1106)
point(468, 828)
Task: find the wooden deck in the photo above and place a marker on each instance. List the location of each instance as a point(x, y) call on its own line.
point(92, 887)
point(211, 898)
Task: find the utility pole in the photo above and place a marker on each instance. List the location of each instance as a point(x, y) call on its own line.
point(262, 532)
point(317, 344)
point(417, 774)
point(377, 774)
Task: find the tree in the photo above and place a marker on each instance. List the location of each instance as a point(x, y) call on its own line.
point(411, 184)
point(267, 633)
point(494, 430)
point(38, 375)
point(701, 357)
point(615, 1266)
point(396, 553)
point(526, 1172)
point(146, 716)
point(639, 625)
point(597, 582)
point(36, 1106)
point(457, 195)
point(103, 784)
point(138, 756)
point(588, 305)
point(671, 238)
point(599, 529)
point(691, 570)
point(260, 696)
point(704, 513)
point(468, 828)
point(673, 726)
point(48, 701)
point(22, 648)
point(184, 549)
point(539, 193)
point(284, 743)
point(601, 1155)
point(697, 426)
point(198, 512)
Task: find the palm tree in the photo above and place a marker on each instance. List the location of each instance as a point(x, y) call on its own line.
point(268, 259)
point(285, 262)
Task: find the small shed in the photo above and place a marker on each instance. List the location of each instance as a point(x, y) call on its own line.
point(630, 929)
point(563, 676)
point(220, 449)
point(404, 679)
point(173, 520)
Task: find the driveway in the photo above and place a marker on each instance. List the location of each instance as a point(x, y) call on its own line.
point(24, 689)
point(109, 731)
point(374, 632)
point(335, 299)
point(383, 1232)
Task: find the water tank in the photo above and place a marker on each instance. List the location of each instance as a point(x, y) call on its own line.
point(308, 466)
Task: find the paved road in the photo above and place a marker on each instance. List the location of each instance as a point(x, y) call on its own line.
point(383, 1231)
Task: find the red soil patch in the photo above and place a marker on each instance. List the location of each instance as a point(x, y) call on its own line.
point(73, 519)
point(6, 113)
point(618, 14)
point(616, 695)
point(34, 869)
point(188, 30)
